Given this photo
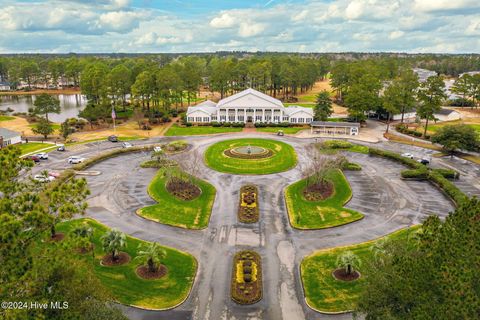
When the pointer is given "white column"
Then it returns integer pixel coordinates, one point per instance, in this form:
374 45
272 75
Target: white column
254 115
218 114
245 115
236 115
263 115
227 117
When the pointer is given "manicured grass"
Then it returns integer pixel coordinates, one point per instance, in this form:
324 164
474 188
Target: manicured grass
434 127
327 213
399 139
334 146
283 158
123 282
306 105
287 130
323 292
35 146
6 118
170 210
55 126
176 130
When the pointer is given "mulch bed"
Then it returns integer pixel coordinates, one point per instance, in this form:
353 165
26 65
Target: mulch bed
57 237
144 273
247 291
122 258
183 189
341 274
248 211
318 191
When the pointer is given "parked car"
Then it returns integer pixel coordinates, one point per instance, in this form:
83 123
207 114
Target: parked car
424 161
42 155
126 145
42 178
407 155
54 174
75 159
60 147
157 149
113 138
33 158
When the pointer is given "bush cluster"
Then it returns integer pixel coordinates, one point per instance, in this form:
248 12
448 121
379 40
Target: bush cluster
271 124
351 166
395 156
420 174
337 144
448 173
405 130
449 188
227 124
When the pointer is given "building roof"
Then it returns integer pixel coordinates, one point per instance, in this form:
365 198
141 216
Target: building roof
3 83
294 109
7 134
252 92
424 74
445 112
334 124
208 107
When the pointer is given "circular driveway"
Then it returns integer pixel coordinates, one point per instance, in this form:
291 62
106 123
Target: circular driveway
387 202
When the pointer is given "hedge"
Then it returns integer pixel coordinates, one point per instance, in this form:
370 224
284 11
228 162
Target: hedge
421 174
397 157
448 173
449 188
337 144
351 166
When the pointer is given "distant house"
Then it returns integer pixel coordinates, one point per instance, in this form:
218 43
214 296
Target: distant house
8 137
335 128
424 74
447 115
5 86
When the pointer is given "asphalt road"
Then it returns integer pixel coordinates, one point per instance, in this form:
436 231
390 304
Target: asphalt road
388 203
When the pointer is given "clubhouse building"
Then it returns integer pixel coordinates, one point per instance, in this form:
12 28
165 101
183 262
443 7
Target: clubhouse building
249 106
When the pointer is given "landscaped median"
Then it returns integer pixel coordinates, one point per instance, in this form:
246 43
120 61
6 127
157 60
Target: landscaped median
177 210
122 280
323 292
233 156
326 213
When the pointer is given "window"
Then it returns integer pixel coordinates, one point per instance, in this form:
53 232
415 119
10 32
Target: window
301 120
222 118
293 120
231 118
285 118
240 118
214 118
198 119
258 118
190 119
205 119
276 118
309 120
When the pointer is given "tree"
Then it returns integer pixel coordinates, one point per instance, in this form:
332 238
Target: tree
35 270
144 87
44 128
462 86
348 261
93 113
113 241
151 254
431 96
45 104
323 107
92 81
433 275
363 96
138 116
65 129
455 137
118 83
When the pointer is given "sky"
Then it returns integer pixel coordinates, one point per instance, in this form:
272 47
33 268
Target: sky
137 26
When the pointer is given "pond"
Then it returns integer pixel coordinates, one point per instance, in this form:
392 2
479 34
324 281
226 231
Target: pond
70 105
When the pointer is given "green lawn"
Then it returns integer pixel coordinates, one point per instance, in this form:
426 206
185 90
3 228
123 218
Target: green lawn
6 118
35 146
176 130
283 158
326 294
124 284
306 105
327 213
55 126
287 130
194 214
334 146
432 128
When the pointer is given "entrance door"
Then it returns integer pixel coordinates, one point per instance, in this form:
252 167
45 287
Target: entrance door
249 119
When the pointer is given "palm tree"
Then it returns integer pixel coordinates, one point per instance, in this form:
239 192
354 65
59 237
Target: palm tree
83 231
113 241
348 261
152 254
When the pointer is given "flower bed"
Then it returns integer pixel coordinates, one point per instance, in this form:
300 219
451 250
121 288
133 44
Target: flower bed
248 211
183 189
246 277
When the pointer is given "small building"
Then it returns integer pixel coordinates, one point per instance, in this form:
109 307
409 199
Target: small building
335 128
5 86
248 106
8 137
447 115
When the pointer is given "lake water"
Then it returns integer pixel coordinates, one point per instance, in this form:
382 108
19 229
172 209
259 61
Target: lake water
70 105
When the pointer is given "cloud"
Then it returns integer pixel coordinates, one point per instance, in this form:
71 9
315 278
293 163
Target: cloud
250 29
396 34
224 21
445 5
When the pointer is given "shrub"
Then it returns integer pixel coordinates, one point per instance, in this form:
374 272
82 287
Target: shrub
449 188
351 166
395 156
177 145
188 124
216 124
420 174
448 173
337 144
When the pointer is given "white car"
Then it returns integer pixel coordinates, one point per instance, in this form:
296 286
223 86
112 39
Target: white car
407 155
42 155
157 149
42 178
126 145
75 159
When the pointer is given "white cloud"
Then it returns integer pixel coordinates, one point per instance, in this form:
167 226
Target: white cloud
224 21
445 5
396 34
250 29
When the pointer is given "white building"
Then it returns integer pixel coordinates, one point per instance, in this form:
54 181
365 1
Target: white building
248 106
424 74
5 86
335 128
8 137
